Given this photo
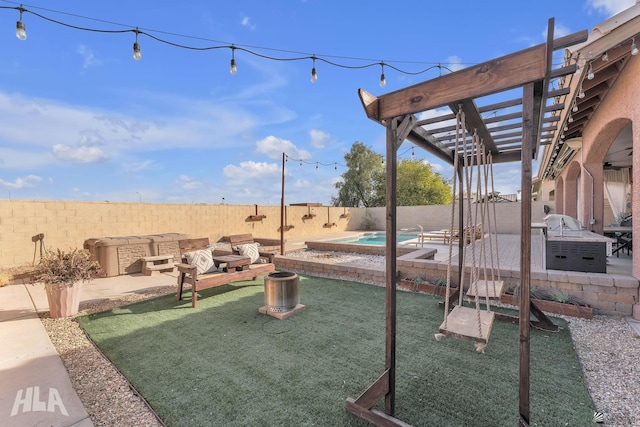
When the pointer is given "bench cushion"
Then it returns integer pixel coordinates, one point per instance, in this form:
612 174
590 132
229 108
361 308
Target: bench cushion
202 259
249 250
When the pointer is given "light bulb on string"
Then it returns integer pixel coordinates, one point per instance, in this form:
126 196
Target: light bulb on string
21 30
233 69
316 165
413 155
314 74
383 80
570 119
634 48
137 54
590 74
575 107
300 163
605 57
335 166
581 93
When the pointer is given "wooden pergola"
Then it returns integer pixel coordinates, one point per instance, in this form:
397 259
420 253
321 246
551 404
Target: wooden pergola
531 115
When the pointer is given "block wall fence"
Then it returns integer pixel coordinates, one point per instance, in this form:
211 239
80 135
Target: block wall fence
67 224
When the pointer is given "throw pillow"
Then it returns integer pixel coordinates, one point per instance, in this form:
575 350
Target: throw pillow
249 250
203 260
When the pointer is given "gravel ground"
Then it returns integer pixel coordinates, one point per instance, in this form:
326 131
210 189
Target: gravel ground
608 349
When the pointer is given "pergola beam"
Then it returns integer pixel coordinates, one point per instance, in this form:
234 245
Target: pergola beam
497 75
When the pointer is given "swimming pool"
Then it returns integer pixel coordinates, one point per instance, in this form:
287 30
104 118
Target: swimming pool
377 239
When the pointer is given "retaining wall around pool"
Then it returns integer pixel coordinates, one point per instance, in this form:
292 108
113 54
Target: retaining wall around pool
356 248
411 262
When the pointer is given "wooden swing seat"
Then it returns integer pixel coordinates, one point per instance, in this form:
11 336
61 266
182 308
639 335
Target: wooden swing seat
481 287
462 323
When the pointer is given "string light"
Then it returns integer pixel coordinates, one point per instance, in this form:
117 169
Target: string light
581 93
383 80
605 57
316 163
575 107
314 75
634 48
590 74
21 31
232 68
21 34
137 54
570 119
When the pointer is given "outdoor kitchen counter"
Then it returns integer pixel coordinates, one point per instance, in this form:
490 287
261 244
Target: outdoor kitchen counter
578 236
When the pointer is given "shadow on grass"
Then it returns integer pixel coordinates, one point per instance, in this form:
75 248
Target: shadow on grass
225 364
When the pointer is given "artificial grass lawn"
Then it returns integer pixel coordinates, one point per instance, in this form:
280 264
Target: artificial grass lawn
225 364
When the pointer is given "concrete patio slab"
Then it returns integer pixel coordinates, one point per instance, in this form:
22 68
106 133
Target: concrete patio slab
35 389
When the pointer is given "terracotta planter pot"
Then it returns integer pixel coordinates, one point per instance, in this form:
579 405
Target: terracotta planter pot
64 301
573 310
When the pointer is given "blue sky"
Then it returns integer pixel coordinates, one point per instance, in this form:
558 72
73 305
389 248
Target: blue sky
80 119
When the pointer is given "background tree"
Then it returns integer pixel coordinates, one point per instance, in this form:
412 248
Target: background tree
418 184
358 187
364 182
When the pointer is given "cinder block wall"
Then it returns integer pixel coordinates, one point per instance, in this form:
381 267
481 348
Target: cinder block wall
67 224
437 217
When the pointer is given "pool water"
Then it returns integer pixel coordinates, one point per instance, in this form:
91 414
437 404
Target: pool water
377 239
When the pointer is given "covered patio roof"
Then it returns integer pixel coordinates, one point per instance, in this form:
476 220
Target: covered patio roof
600 61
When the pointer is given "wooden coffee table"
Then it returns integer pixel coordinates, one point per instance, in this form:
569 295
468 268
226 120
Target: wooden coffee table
232 262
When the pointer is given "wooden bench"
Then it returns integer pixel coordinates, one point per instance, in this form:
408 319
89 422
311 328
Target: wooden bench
188 274
266 252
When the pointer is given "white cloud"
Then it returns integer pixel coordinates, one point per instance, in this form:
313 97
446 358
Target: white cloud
273 148
318 138
250 170
133 167
90 137
302 183
188 183
454 63
90 59
22 182
79 154
187 123
609 7
246 22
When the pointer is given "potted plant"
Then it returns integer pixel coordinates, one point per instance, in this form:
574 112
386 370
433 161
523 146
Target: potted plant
63 274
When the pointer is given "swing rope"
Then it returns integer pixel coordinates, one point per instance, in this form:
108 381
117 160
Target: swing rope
470 226
459 120
482 207
495 218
